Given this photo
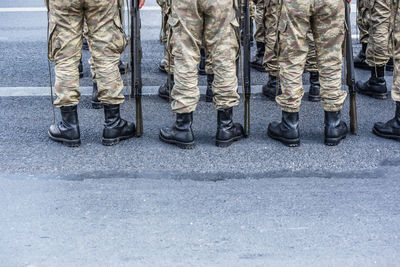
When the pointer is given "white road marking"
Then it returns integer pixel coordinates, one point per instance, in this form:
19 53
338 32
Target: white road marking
43 9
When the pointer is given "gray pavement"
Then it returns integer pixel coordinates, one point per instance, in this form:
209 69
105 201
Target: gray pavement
145 203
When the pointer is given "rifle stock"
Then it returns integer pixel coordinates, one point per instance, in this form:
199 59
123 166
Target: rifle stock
350 74
136 61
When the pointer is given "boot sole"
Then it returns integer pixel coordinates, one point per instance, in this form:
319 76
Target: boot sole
334 141
66 142
312 98
286 142
381 96
114 141
226 143
182 145
96 105
393 137
165 97
270 97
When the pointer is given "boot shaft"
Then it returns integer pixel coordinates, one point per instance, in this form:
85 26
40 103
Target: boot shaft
184 121
111 115
69 115
224 118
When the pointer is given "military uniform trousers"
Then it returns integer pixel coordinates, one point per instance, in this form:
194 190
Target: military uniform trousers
193 21
259 35
327 23
107 41
363 20
396 53
272 9
379 32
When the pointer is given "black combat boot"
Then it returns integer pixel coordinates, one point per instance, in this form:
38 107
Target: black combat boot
115 128
162 65
67 130
335 129
313 93
390 65
227 131
257 61
80 68
359 60
286 131
375 86
122 67
165 89
181 133
202 64
96 104
273 85
390 129
209 93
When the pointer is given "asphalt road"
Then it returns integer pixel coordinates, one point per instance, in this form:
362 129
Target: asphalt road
145 203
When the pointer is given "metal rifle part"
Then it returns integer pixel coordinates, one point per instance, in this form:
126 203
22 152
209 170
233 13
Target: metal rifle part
246 65
136 62
350 74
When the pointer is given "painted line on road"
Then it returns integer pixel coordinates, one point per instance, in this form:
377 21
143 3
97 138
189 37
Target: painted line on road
43 9
87 90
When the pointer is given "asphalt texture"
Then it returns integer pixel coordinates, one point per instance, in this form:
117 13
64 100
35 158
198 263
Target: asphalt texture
146 203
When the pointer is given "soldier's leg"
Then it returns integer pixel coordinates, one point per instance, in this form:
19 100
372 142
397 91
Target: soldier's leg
377 50
312 68
259 36
293 27
187 28
363 26
107 41
165 10
391 129
328 27
65 51
223 45
164 91
270 60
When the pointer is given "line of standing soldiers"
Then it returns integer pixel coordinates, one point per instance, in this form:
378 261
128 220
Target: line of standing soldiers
291 35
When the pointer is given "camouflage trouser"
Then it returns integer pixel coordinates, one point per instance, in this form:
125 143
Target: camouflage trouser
165 12
396 53
107 41
326 20
272 9
379 32
363 20
193 21
259 35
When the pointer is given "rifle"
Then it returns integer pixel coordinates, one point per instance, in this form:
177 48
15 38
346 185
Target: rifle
350 75
136 63
246 86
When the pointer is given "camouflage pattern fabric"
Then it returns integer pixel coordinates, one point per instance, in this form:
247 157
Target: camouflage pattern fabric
259 35
193 21
396 53
326 20
379 31
165 13
363 20
107 41
272 9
